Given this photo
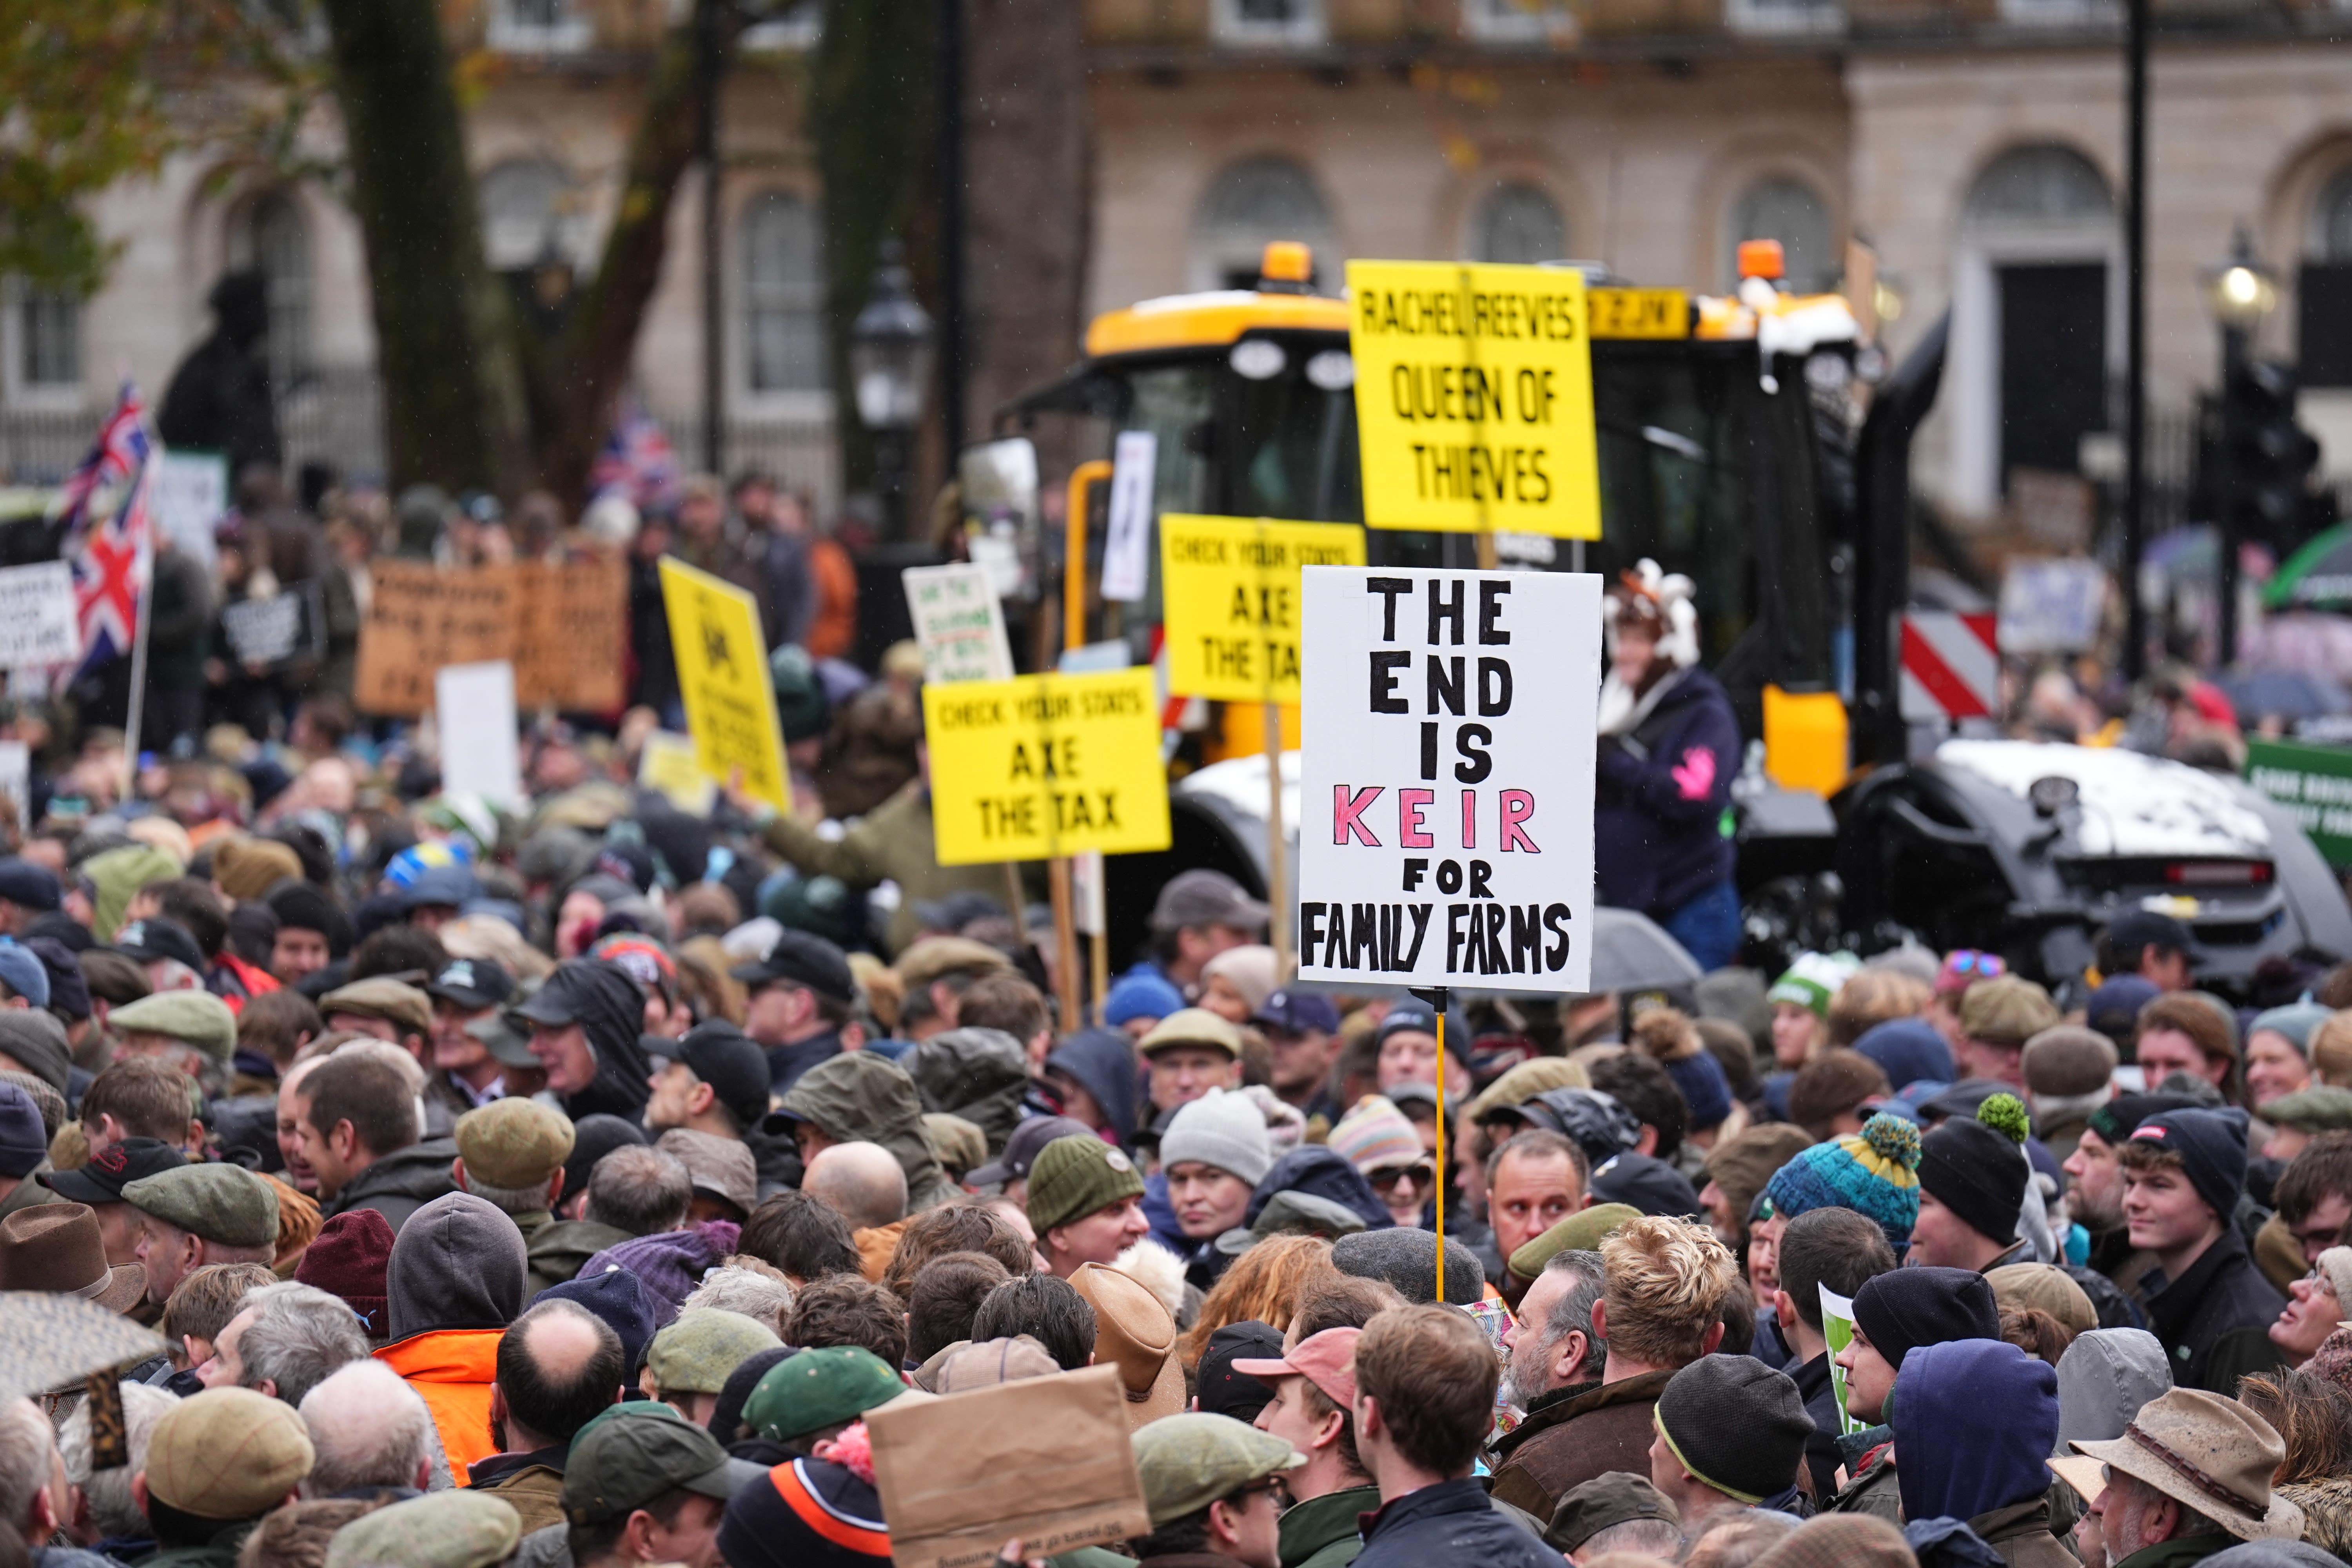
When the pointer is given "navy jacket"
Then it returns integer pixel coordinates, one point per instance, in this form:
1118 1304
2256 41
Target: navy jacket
2221 1292
1657 823
1451 1522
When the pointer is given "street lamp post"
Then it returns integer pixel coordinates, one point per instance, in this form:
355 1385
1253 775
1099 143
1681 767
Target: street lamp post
2241 293
890 362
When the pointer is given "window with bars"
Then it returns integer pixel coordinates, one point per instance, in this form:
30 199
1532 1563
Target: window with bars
48 340
783 295
269 236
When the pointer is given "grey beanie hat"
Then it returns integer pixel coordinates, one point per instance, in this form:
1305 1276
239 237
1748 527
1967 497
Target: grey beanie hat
1227 1130
1407 1258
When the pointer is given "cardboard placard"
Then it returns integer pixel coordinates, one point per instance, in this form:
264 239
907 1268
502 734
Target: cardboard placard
563 626
474 704
1045 766
1229 586
38 625
1474 397
959 622
1446 788
723 678
941 1468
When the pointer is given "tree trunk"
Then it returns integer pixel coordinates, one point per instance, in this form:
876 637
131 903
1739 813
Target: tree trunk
454 408
1026 157
869 110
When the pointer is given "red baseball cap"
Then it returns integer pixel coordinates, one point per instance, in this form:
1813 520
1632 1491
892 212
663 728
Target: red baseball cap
1327 1360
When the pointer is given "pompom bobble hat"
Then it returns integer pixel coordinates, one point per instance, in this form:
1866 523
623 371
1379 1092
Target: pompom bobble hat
1874 1173
1814 979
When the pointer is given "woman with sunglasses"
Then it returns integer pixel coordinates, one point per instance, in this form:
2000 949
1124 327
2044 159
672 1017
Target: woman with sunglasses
1381 1143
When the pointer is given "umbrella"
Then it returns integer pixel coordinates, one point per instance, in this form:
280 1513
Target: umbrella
2316 577
1630 952
2286 694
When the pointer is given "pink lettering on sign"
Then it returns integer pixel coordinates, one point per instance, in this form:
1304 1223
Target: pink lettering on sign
1518 804
1411 803
1348 814
1469 819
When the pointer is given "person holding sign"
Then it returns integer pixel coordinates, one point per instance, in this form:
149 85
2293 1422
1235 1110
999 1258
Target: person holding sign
1670 747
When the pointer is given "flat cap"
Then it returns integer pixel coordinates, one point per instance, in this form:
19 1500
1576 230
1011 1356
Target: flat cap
227 1454
381 996
819 1388
1188 1461
197 1018
2006 1012
1193 1026
459 1529
935 956
513 1143
1611 1499
695 1354
221 1203
722 1167
1583 1231
23 882
2322 1108
2068 1060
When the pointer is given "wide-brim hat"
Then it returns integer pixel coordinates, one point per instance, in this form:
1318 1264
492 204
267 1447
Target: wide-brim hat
57 1248
1134 1333
2208 1454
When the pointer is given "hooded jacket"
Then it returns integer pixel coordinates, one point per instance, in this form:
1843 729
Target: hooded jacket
454 1283
981 1074
1103 1063
2104 1378
858 1097
1657 820
1326 1174
1974 1422
611 1010
399 1184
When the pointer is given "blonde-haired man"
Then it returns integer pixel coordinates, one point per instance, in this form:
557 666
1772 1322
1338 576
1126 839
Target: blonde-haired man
1663 1285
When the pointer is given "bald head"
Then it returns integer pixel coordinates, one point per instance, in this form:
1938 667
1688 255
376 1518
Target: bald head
559 1364
369 1430
862 1182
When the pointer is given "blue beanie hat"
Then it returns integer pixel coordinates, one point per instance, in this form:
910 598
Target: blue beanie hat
1907 1050
1874 1173
1141 995
1705 1088
619 1298
2213 1149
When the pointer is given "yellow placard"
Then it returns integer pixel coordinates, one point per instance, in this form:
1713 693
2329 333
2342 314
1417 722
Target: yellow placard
667 765
1044 765
722 674
1230 585
1640 314
1474 397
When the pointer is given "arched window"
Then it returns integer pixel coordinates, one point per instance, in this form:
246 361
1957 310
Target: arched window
529 206
783 295
1792 213
1249 205
1517 222
2324 288
2330 238
269 236
2039 187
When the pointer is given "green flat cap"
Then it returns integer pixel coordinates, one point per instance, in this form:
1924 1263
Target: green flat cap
616 1466
198 1017
462 1529
1074 1176
819 1388
2322 1108
627 1410
1190 1460
695 1354
222 1202
1580 1232
513 1143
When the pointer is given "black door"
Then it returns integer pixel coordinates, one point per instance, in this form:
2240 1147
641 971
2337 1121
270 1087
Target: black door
2054 364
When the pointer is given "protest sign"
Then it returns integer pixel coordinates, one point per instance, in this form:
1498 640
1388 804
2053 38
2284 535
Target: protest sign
1837 1328
1045 766
722 675
959 622
1229 586
2315 784
665 764
562 625
1446 786
1474 397
940 1467
38 622
474 705
16 781
2051 607
278 630
1127 538
187 493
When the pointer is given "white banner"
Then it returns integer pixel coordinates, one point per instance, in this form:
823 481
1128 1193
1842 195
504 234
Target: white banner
1445 833
37 624
475 706
1127 538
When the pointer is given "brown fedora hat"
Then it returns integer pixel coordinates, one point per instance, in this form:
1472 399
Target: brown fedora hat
56 1248
2209 1454
1134 1333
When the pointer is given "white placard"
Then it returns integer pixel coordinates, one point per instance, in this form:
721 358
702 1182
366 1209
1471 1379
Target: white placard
1127 541
475 706
958 622
17 780
189 493
37 624
1446 832
2051 607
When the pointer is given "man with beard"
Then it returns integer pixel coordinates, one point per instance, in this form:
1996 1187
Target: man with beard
2095 1195
1555 1354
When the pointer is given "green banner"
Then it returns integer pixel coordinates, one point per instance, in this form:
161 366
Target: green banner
2314 782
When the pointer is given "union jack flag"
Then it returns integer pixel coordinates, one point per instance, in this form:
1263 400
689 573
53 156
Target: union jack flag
112 555
636 459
